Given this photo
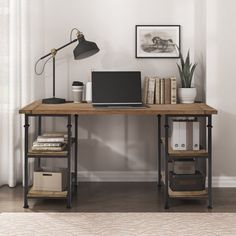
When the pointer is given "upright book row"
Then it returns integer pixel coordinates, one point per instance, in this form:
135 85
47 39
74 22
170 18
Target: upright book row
160 91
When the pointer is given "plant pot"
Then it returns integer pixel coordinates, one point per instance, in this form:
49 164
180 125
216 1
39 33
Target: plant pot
187 95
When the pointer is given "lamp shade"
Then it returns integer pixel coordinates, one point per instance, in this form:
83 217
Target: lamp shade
85 49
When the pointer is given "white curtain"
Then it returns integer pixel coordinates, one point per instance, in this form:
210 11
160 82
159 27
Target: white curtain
16 86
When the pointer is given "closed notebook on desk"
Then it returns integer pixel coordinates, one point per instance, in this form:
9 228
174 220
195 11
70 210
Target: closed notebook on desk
116 88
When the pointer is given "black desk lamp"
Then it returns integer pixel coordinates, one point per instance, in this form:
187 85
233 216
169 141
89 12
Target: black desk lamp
83 49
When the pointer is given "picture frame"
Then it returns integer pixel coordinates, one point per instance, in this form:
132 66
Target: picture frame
157 41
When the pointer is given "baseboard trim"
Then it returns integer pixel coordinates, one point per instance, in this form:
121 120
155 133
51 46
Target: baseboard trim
143 176
224 181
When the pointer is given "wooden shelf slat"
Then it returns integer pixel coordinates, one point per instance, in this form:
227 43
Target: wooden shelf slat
46 194
187 153
184 153
47 153
187 194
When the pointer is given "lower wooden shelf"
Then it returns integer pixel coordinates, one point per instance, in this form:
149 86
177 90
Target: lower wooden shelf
187 194
184 194
46 194
47 154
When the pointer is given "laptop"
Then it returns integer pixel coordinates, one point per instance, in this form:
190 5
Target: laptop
116 89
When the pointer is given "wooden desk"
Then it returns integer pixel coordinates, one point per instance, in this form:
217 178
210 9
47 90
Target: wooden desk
37 109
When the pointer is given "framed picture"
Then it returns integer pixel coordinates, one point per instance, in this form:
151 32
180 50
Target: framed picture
157 41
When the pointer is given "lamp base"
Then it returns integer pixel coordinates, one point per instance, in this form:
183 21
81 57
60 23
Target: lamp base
53 100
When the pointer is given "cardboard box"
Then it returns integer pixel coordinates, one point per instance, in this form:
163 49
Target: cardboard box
53 180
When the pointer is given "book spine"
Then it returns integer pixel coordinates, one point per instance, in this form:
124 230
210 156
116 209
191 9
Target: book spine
55 134
151 90
145 90
36 144
196 135
157 92
50 140
167 95
162 91
173 90
48 148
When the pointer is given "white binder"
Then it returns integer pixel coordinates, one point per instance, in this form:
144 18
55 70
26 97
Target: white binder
182 135
175 144
196 135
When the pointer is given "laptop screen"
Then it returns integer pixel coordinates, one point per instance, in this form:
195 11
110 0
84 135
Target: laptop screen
116 87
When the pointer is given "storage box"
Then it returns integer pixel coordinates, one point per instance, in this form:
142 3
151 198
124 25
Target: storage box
54 180
184 167
195 182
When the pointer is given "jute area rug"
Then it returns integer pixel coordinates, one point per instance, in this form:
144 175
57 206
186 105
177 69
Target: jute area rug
122 224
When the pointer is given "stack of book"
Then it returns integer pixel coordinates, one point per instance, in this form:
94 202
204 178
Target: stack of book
160 91
50 142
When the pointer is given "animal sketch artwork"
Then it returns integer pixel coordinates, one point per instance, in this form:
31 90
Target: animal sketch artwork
162 44
158 44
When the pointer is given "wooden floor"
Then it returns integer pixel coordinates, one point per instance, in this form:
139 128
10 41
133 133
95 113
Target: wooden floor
117 197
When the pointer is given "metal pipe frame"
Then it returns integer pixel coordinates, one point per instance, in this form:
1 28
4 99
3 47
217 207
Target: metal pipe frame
209 129
159 149
39 133
69 192
26 187
209 157
26 157
166 194
76 150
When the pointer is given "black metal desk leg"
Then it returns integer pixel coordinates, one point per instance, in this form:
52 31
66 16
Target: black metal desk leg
76 149
166 164
209 128
159 150
39 133
26 161
69 193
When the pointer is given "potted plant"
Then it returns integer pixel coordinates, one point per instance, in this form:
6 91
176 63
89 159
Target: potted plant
187 93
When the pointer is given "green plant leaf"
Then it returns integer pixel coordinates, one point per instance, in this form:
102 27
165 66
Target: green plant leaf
186 70
183 82
187 62
181 58
191 73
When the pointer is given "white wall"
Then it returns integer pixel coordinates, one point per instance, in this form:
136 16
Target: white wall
221 83
116 143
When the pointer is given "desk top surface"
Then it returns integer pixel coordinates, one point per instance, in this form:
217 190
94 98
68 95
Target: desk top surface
37 108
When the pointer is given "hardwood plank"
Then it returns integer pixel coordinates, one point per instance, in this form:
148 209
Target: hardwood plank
117 197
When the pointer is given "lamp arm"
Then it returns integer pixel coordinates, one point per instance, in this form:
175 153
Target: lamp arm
58 49
51 54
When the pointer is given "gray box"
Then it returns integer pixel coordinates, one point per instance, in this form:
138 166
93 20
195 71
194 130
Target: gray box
184 167
50 180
